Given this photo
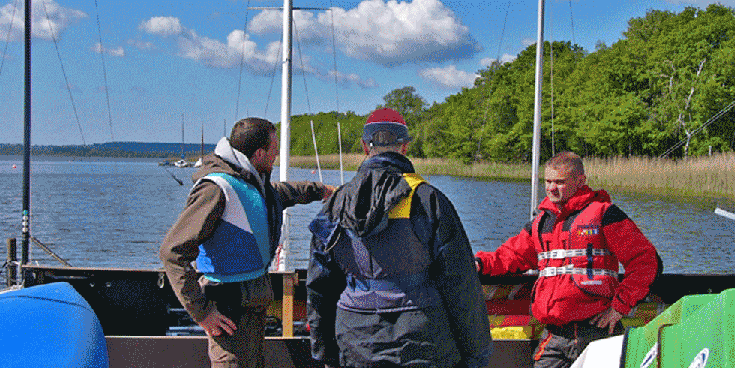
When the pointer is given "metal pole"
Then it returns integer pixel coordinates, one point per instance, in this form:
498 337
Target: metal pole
285 151
316 152
12 261
26 221
537 111
341 168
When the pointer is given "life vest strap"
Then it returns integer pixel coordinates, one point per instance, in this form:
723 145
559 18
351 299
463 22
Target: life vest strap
568 253
555 271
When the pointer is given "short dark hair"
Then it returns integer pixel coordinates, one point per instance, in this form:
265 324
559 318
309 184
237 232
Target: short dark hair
568 160
250 134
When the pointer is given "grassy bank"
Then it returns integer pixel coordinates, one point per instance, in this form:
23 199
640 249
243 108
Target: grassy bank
709 178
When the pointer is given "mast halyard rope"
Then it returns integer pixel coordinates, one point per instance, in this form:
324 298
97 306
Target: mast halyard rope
308 103
273 77
571 16
711 120
104 71
63 72
502 33
551 81
336 97
242 62
7 39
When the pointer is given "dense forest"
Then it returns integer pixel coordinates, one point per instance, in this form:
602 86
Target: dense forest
668 83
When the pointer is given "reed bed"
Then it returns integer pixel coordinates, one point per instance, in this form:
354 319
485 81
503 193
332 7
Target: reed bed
428 166
710 177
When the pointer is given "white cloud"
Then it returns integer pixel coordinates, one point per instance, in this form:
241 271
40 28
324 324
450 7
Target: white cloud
58 20
162 26
352 79
384 32
238 48
307 27
506 58
117 51
449 77
141 45
528 41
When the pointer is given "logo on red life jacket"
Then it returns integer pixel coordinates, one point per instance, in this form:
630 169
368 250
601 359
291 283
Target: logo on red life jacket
586 230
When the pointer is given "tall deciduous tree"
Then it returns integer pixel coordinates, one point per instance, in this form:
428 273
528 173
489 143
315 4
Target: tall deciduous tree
411 106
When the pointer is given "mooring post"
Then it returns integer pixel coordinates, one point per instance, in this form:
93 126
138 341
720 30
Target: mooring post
12 262
290 280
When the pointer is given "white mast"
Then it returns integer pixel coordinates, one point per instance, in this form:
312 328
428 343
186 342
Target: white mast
537 108
285 153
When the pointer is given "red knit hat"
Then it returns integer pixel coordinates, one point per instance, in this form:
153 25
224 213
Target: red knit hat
389 120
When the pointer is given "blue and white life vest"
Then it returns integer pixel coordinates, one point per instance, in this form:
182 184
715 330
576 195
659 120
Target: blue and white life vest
238 250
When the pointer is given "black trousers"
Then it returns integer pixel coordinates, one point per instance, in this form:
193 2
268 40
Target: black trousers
560 346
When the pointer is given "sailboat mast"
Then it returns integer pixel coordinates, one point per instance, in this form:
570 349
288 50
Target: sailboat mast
285 151
537 109
26 232
182 136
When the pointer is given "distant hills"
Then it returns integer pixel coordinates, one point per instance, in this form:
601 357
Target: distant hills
113 149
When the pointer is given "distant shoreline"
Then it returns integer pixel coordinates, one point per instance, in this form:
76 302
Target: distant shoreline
710 179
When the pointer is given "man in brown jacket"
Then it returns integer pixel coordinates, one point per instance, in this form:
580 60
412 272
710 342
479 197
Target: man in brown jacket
231 227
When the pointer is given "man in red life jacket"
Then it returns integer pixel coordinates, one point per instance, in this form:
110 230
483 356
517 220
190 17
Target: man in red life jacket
576 242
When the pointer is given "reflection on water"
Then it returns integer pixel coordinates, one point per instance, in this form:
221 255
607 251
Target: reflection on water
115 214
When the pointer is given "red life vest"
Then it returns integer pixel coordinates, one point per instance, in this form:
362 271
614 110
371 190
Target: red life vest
577 272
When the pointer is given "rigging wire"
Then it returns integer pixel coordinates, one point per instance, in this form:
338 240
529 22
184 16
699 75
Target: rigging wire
7 39
571 16
551 82
502 34
308 103
63 72
104 71
336 96
303 70
273 77
711 120
499 63
334 58
242 62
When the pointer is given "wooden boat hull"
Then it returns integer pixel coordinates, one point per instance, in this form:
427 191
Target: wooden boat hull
142 319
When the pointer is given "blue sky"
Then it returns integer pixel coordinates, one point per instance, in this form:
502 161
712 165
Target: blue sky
166 61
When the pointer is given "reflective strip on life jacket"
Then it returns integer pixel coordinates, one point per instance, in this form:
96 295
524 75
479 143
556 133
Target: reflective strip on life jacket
554 271
568 253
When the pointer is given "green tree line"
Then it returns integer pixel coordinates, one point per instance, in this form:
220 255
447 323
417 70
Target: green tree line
667 83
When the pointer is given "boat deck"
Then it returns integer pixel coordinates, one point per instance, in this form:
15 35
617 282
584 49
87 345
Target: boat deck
144 322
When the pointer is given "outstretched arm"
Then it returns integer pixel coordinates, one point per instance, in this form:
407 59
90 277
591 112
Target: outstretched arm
302 192
517 254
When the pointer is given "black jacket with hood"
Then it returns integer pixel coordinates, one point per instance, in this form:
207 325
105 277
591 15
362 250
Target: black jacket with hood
354 239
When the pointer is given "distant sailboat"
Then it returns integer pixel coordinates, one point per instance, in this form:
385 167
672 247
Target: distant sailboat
201 151
182 162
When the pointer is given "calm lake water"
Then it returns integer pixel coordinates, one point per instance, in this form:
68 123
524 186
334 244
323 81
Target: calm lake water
115 212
